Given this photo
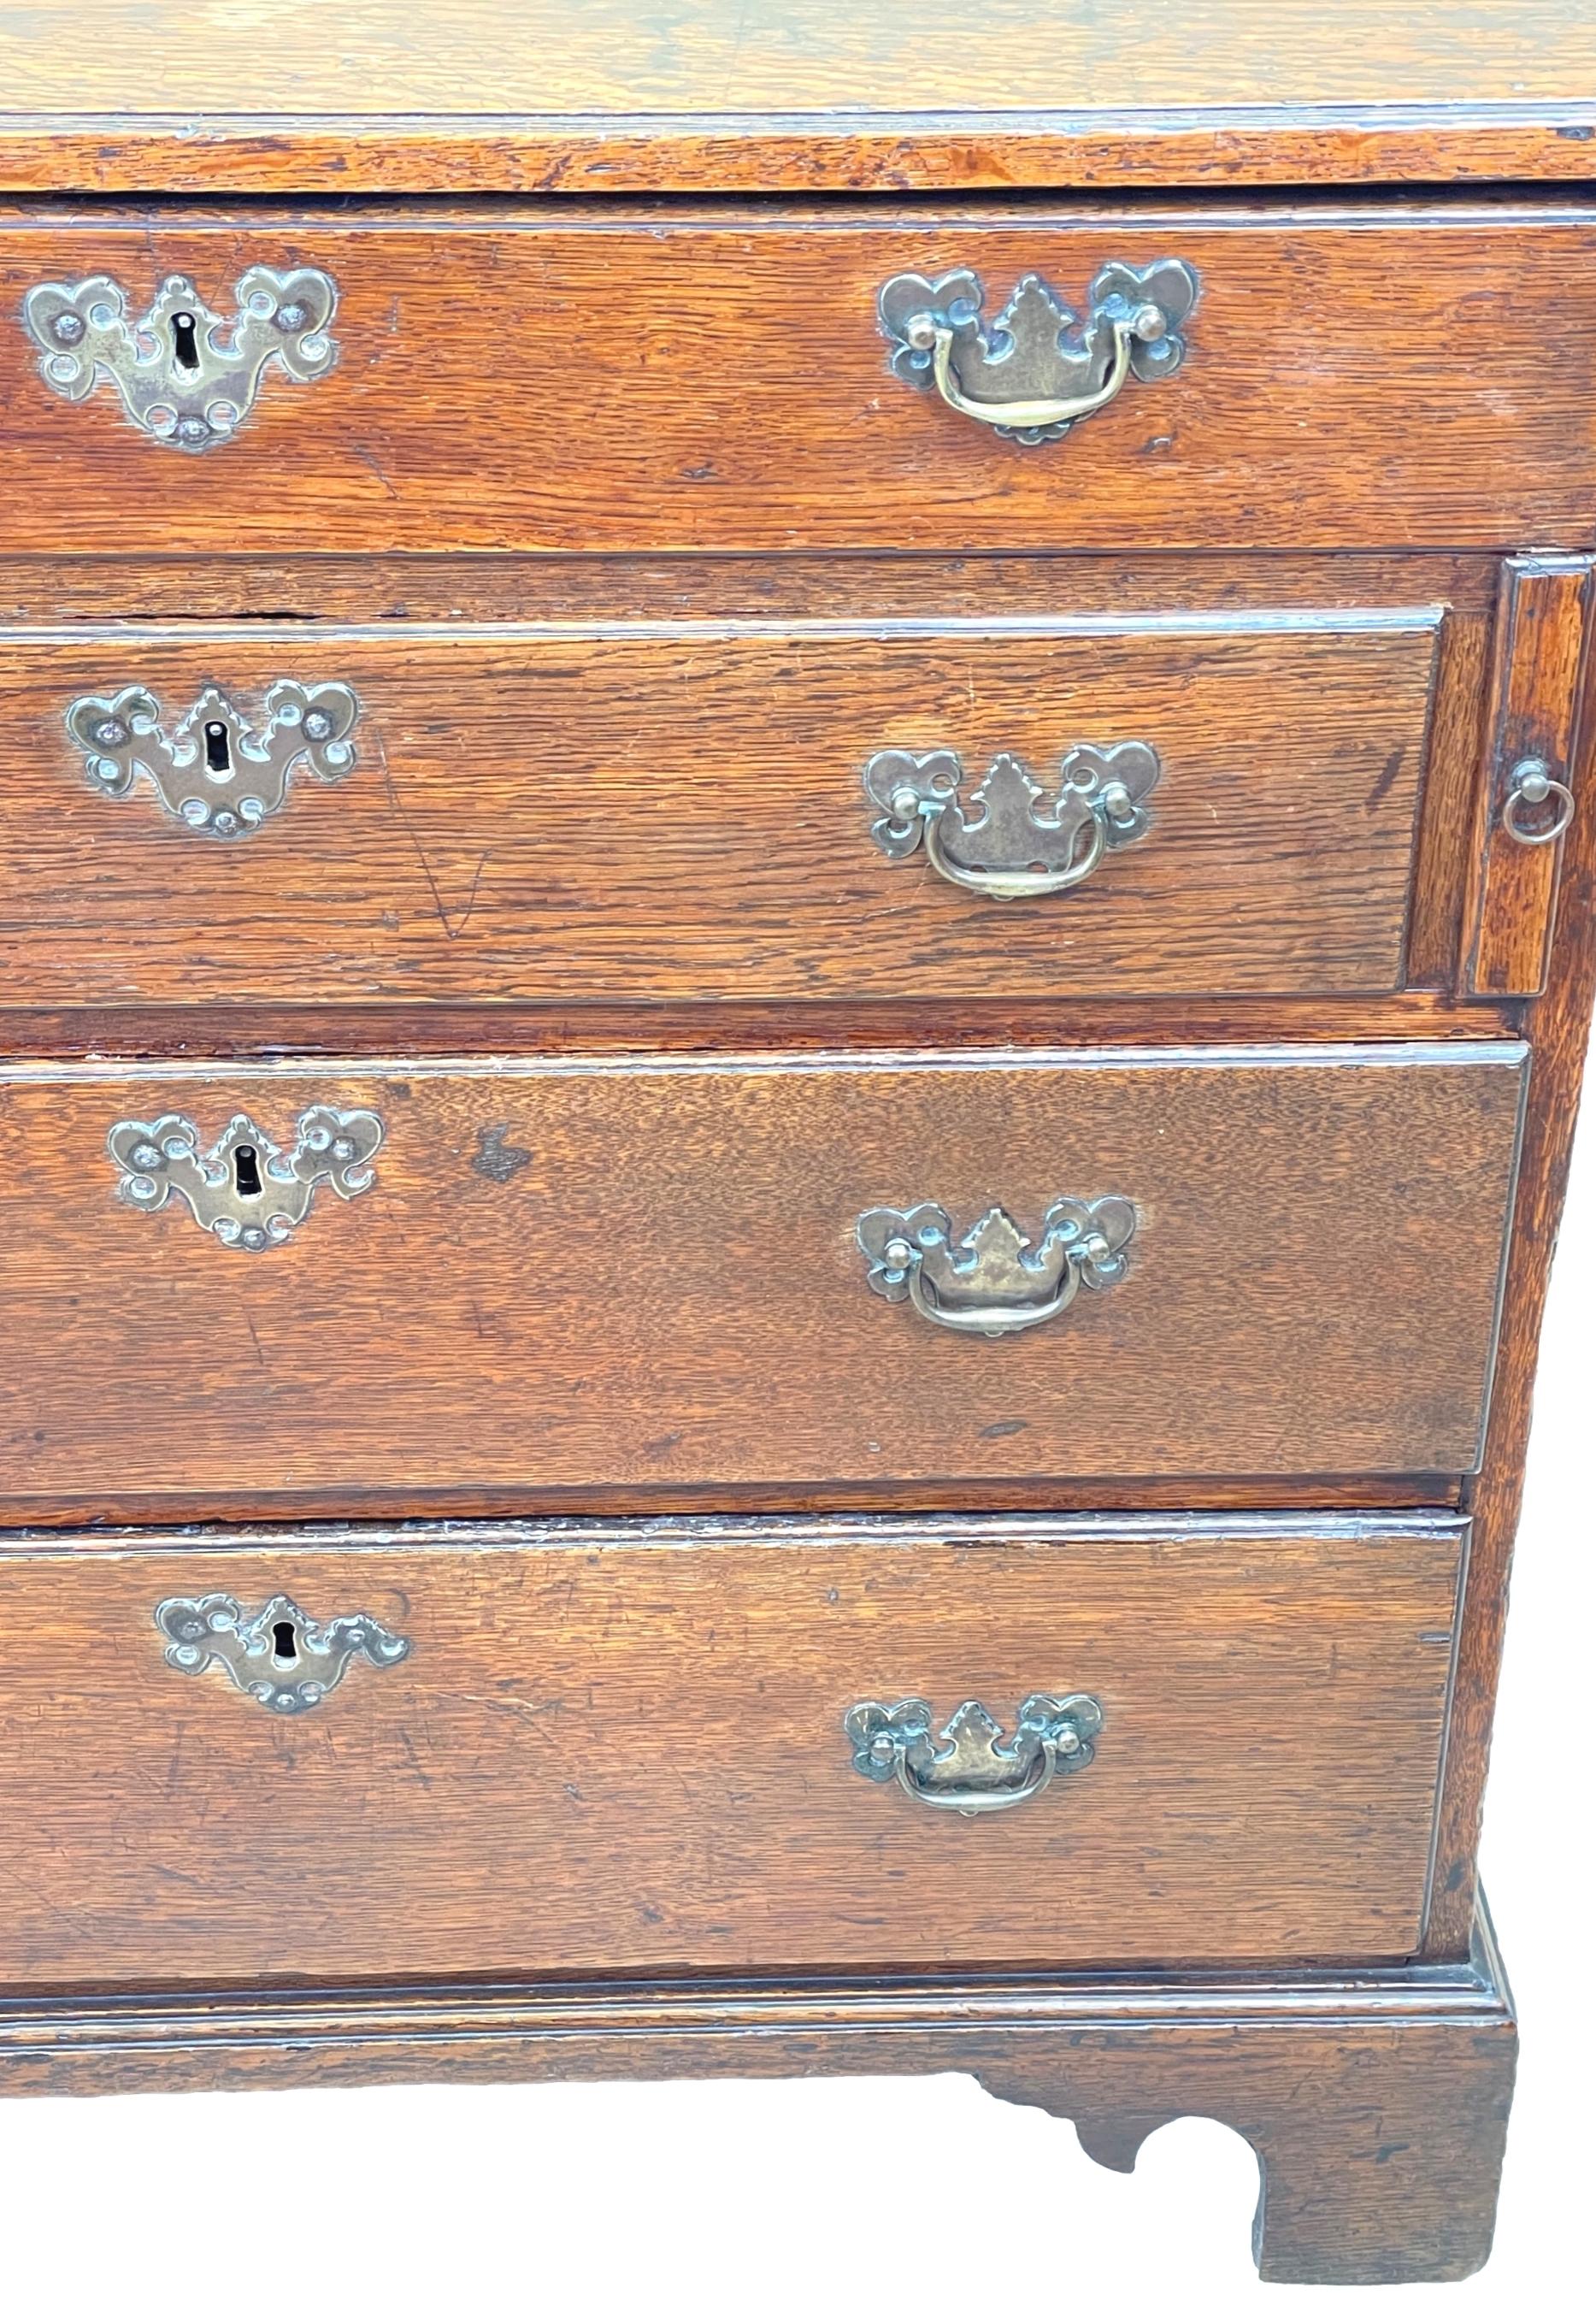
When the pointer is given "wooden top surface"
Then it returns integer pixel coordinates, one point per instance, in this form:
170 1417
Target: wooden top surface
630 95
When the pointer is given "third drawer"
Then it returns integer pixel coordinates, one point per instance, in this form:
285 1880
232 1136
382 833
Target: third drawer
410 1285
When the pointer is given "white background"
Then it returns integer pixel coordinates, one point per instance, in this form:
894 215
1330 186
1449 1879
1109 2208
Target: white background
847 2198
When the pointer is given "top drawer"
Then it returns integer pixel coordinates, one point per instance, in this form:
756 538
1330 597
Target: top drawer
536 377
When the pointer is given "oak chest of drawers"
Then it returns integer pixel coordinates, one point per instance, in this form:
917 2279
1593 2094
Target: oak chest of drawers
796 904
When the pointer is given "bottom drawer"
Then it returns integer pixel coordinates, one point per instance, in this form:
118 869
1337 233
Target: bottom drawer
583 1747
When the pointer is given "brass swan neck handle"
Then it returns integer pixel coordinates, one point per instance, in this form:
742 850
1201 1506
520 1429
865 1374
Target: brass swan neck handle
991 1281
929 332
1017 838
1029 375
969 1767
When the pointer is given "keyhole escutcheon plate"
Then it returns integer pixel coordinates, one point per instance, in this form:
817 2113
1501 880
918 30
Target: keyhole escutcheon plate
186 374
216 769
245 1190
276 1655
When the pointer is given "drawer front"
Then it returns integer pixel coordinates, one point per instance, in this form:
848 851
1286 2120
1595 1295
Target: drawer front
706 809
559 1275
611 1751
525 380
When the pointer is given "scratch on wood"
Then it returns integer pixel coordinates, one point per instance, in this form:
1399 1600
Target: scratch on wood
369 459
450 931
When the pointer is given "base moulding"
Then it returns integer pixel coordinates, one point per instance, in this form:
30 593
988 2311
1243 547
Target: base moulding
1377 2101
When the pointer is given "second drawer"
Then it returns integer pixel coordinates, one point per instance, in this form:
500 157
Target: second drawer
413 1285
1219 801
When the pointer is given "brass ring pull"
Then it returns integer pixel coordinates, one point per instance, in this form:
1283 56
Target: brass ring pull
992 1281
1027 376
1531 784
972 1769
1018 841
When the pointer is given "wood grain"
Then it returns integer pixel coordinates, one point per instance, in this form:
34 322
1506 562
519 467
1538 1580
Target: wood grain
226 1034
888 154
607 57
92 1515
709 93
621 1752
665 382
646 1274
161 587
1377 2102
553 813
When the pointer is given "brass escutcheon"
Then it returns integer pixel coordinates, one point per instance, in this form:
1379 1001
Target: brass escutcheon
185 375
277 1654
216 770
245 1190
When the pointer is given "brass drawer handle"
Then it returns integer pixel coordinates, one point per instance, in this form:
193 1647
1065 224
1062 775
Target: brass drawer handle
992 1283
1021 841
1531 784
185 375
276 1655
244 1190
213 770
1022 377
972 1770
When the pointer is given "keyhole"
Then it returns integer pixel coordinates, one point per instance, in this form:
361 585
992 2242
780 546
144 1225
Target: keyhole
247 1174
285 1643
219 755
184 344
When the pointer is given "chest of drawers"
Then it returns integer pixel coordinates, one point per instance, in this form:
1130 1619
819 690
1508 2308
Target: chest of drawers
795 908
